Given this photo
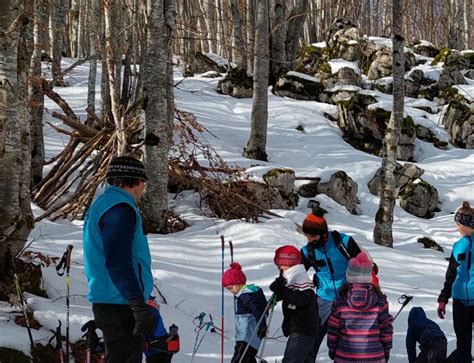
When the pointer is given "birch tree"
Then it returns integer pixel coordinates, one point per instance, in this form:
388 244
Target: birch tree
35 92
256 144
15 214
384 218
158 126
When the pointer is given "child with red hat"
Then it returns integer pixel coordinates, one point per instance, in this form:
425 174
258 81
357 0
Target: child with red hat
300 310
250 304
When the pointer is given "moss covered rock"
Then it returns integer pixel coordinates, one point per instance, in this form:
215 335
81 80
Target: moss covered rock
459 122
364 127
299 86
420 199
237 83
342 189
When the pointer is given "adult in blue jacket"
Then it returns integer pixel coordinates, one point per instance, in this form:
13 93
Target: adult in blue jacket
118 263
427 333
459 284
329 259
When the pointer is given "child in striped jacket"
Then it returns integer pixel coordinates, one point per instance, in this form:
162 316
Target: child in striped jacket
360 326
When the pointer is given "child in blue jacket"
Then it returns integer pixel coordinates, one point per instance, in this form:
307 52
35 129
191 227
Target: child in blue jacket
459 284
250 304
428 334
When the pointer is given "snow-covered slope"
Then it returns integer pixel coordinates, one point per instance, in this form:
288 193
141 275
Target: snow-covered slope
187 265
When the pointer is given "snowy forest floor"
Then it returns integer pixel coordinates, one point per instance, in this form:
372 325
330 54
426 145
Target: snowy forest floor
187 265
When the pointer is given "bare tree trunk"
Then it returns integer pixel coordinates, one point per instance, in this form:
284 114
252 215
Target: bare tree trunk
57 35
384 218
160 24
94 40
256 144
35 92
250 34
212 21
74 26
109 7
238 49
15 213
296 21
278 37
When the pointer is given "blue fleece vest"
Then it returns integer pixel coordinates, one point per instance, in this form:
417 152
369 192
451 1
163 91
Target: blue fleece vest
101 287
463 286
328 285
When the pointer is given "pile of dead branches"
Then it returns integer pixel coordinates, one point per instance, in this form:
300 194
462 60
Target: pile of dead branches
69 188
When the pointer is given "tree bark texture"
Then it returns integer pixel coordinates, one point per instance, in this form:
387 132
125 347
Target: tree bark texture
256 144
158 128
238 48
383 234
15 218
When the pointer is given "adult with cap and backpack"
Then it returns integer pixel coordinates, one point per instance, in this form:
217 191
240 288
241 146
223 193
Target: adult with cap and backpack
118 263
328 253
459 284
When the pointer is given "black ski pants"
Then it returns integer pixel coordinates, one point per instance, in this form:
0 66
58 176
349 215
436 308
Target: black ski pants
117 323
434 351
239 351
299 349
463 317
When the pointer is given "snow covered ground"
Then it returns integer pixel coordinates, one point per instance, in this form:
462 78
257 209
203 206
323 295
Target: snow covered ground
187 265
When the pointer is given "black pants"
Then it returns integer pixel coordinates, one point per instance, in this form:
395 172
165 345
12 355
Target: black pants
239 351
160 352
463 317
299 349
117 323
434 351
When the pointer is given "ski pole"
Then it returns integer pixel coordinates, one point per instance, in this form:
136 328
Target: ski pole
65 265
23 308
404 300
59 344
268 327
208 325
231 247
269 305
222 301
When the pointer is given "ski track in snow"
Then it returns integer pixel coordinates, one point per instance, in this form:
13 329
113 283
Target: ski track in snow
187 265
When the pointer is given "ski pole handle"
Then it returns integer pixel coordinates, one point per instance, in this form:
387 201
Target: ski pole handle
231 247
68 256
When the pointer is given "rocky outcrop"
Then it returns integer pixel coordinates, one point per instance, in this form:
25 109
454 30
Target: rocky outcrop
342 189
420 199
204 63
404 174
237 83
343 40
425 48
459 122
364 127
299 86
283 180
454 64
309 190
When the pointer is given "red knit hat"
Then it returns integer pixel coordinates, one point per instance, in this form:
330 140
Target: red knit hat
234 275
315 225
287 256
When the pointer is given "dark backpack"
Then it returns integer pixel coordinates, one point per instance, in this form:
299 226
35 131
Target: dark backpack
336 236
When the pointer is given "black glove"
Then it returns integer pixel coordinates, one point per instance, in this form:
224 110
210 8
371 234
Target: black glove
387 355
262 331
277 285
144 320
332 354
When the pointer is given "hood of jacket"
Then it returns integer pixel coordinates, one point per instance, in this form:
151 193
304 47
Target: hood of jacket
361 296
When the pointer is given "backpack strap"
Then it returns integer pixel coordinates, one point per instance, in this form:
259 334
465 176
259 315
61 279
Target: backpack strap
312 259
336 236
